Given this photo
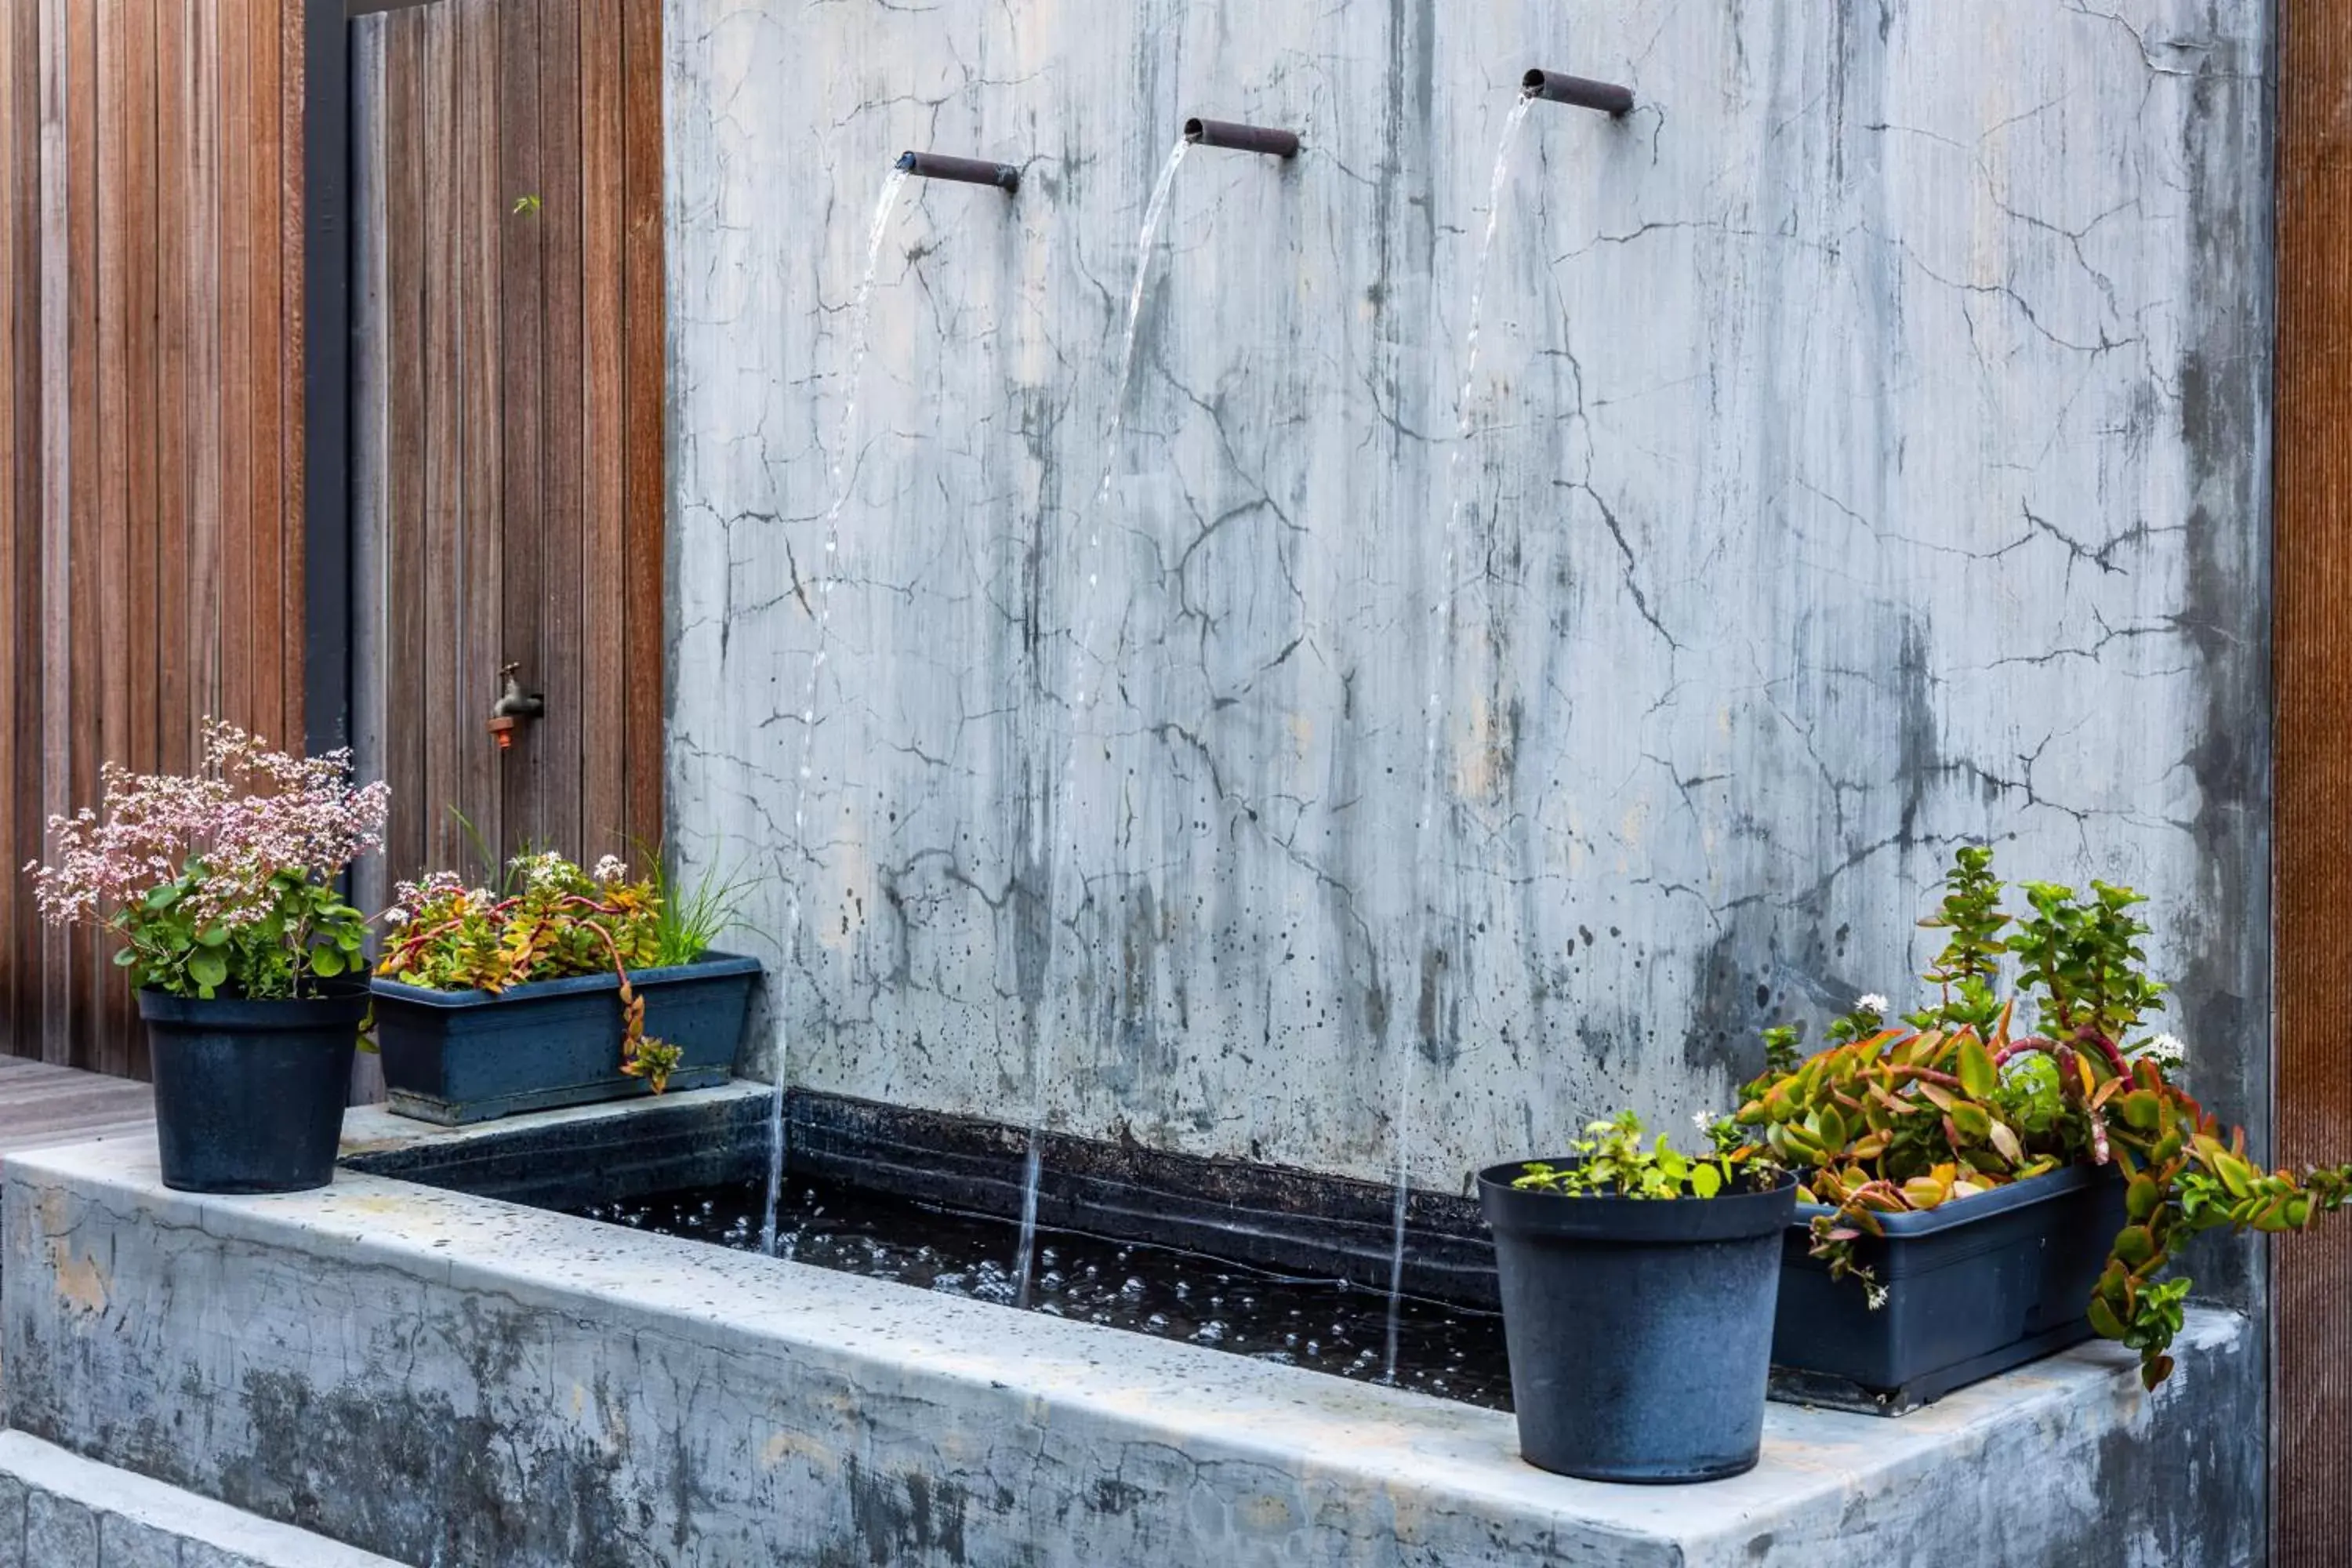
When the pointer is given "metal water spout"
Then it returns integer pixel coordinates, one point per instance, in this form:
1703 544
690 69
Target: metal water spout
1241 138
967 170
1558 86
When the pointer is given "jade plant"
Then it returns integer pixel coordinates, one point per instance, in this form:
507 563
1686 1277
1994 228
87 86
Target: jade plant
550 921
1957 1099
1611 1162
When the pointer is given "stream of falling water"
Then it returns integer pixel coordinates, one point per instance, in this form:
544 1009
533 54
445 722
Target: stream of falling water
860 319
1442 610
1083 696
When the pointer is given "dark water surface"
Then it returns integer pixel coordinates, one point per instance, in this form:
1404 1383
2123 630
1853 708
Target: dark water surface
1326 1325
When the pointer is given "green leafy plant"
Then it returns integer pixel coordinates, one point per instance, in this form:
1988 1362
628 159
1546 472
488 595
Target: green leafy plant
2083 960
1892 1121
1612 1161
1968 968
222 882
551 921
1784 1048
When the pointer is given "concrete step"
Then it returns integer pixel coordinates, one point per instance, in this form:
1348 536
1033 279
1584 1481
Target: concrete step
61 1510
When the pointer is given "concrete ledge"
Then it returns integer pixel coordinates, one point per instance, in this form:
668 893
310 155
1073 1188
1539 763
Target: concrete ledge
58 1510
560 1159
447 1378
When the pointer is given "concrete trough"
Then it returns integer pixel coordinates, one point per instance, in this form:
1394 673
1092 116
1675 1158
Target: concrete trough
446 1378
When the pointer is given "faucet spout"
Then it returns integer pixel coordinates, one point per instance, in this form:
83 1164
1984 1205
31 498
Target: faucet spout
1241 138
1558 86
968 171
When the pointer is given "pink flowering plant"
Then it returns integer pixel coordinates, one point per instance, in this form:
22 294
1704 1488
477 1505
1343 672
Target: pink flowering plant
222 883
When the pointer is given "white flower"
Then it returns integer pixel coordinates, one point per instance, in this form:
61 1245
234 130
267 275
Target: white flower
1703 1121
1873 1294
396 917
612 868
546 866
2166 1051
1872 1003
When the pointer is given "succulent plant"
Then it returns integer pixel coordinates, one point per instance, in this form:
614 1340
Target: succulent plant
1902 1119
552 920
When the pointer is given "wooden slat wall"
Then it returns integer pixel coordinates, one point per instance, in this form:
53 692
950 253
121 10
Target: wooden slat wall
510 449
151 542
2312 1275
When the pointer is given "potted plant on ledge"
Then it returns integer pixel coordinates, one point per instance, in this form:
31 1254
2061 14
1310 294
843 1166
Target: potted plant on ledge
1637 1287
221 888
1981 1195
563 987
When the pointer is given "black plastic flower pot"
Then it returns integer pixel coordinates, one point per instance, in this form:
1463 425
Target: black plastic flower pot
1640 1330
249 1095
1973 1287
458 1057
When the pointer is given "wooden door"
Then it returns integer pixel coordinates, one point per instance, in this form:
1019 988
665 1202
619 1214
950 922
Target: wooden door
508 420
2311 1461
152 497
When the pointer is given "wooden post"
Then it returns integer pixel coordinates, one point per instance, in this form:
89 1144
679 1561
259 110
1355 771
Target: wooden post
2311 1399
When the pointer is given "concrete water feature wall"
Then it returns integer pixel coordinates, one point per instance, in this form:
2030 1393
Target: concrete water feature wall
1867 452
451 1380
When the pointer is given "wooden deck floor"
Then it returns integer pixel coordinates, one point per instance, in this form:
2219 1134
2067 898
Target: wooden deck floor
42 1105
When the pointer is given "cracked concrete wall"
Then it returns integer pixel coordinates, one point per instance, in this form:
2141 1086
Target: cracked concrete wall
1866 452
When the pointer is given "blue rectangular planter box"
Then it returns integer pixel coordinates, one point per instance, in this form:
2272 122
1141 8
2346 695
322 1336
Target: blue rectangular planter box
454 1057
1974 1288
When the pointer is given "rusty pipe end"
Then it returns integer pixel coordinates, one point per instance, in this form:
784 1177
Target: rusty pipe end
1241 138
1558 86
966 171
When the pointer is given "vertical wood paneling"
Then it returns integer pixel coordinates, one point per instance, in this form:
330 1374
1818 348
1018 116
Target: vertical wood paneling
401 352
285 290
110 436
256 155
20 715
150 519
231 248
49 379
142 392
2312 1366
437 130
521 290
602 607
108 450
519 421
557 741
177 685
203 305
149 566
646 400
84 554
478 217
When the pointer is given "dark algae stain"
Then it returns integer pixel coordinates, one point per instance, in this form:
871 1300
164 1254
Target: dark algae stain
401 1471
903 1520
